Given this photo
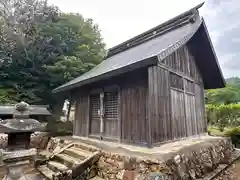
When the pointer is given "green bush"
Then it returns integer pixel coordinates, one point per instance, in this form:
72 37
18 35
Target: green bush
59 128
234 133
223 116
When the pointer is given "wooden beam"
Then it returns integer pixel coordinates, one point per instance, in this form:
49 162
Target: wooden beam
88 115
149 109
177 73
185 110
101 113
119 115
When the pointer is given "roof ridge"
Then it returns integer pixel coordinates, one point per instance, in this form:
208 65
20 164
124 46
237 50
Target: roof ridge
180 20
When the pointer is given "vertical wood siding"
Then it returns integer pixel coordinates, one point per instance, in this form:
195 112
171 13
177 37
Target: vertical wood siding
125 116
159 105
200 111
179 125
81 116
176 101
94 119
190 104
182 61
153 105
133 112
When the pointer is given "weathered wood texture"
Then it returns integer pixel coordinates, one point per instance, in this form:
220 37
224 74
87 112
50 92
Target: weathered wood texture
176 101
179 121
133 114
146 106
81 115
125 115
94 122
182 61
159 105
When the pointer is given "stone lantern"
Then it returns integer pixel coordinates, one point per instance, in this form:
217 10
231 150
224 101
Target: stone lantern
18 152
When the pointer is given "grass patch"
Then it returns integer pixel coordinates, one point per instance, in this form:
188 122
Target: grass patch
214 131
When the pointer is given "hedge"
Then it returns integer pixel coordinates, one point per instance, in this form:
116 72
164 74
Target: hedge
223 116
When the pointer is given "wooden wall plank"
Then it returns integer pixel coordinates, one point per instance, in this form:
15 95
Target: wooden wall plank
159 110
133 125
81 115
191 114
133 101
151 109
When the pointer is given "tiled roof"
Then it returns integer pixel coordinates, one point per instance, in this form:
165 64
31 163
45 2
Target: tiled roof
139 51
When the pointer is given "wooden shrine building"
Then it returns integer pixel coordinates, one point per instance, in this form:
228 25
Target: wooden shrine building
149 89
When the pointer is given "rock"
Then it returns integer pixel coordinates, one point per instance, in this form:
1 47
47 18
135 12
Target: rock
153 168
196 164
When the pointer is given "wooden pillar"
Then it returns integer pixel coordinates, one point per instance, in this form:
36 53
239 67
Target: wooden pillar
101 113
150 98
88 115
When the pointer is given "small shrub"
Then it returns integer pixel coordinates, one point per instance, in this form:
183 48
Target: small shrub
234 134
59 128
223 115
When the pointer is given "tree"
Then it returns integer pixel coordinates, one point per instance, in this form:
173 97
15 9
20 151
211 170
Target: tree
42 48
227 95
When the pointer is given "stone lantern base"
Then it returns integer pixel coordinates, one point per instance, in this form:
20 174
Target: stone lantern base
15 170
15 162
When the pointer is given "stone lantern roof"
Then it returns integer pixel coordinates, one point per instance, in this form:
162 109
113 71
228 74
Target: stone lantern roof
20 121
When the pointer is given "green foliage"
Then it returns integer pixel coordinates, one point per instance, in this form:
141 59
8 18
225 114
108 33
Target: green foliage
6 96
223 116
41 49
233 81
229 94
59 128
234 133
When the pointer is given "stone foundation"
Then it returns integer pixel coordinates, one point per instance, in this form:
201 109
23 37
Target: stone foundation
193 165
192 162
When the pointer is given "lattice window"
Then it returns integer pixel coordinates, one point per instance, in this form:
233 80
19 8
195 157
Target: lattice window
94 106
111 105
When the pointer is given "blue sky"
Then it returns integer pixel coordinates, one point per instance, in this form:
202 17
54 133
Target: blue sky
120 20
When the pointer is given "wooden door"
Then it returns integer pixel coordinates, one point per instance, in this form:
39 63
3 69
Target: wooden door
111 115
94 115
179 126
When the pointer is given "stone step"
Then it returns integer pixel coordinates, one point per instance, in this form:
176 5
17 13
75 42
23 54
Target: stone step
96 178
88 162
85 147
88 153
46 172
67 160
56 166
77 153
